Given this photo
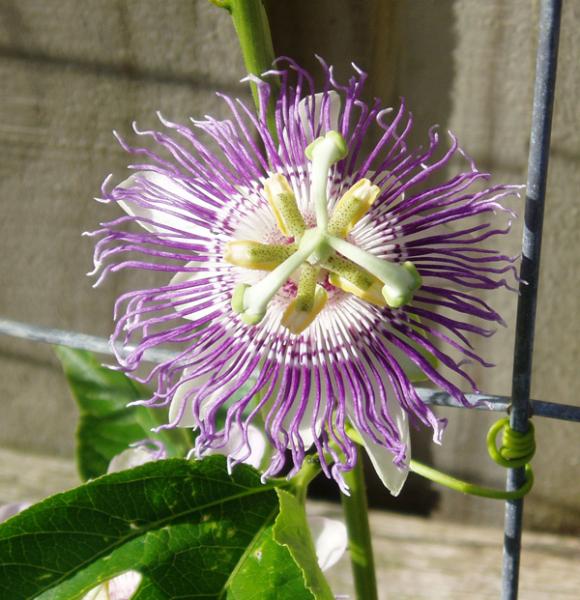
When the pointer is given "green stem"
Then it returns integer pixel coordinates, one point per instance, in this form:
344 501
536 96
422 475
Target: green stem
251 24
359 535
310 470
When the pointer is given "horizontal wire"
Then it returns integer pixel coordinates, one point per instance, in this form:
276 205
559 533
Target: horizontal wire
100 345
74 339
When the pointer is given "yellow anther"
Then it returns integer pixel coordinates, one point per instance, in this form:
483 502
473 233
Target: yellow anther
253 255
352 207
351 278
309 301
297 320
283 204
400 281
372 294
307 286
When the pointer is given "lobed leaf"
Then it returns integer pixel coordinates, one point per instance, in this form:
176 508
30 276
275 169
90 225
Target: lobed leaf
291 530
189 528
106 425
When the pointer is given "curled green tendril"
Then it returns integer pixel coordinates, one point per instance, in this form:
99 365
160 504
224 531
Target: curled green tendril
516 451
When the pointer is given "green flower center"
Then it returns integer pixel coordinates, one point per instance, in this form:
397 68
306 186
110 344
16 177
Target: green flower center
319 252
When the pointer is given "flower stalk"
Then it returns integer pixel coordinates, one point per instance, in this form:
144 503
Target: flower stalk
359 535
308 472
253 31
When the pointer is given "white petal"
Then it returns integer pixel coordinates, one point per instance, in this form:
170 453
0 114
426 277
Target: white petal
98 593
9 510
330 540
132 457
121 587
183 277
305 426
187 419
176 408
124 586
235 447
305 430
161 215
393 477
305 107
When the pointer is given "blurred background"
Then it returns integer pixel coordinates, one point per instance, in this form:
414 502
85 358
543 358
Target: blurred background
72 72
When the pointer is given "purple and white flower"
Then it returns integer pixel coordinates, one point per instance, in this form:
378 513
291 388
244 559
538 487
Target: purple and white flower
309 280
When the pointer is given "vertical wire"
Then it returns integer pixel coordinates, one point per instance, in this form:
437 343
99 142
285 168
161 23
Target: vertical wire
546 62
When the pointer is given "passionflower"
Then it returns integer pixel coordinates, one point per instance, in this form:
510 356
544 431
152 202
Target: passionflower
315 272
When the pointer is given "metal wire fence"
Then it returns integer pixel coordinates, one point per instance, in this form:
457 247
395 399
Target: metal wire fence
544 88
520 406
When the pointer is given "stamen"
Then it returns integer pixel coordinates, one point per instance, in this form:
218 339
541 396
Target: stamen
353 279
283 204
323 152
253 255
400 281
310 300
357 272
352 206
251 302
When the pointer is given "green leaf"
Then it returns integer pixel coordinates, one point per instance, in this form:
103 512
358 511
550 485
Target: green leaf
189 528
107 426
291 530
268 572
